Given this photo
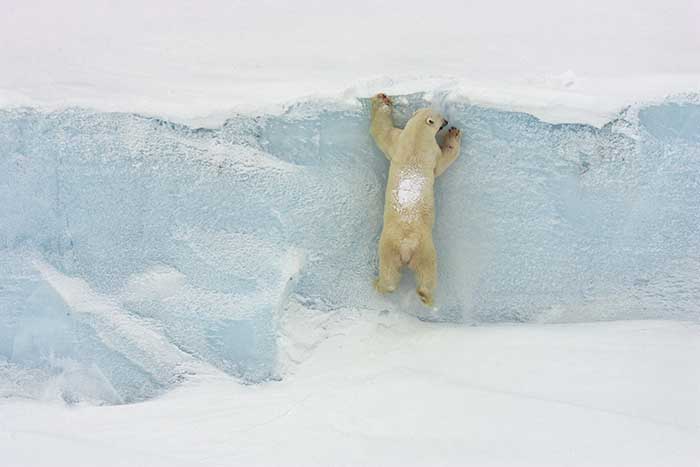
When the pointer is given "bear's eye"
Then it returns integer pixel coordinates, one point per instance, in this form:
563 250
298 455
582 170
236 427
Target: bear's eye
430 121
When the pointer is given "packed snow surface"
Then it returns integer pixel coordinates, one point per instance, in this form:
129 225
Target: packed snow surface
564 62
386 389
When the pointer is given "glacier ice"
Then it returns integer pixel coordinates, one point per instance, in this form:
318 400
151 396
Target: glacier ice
136 251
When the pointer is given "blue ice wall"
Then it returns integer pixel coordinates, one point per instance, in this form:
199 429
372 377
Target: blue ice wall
135 251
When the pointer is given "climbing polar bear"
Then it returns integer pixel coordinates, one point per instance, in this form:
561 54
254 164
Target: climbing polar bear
409 208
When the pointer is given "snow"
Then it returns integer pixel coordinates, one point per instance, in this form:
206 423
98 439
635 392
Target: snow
410 190
386 389
201 62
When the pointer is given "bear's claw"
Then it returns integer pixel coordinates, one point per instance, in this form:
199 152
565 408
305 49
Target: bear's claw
384 98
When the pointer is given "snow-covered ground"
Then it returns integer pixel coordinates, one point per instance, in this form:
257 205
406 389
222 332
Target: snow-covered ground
579 61
390 390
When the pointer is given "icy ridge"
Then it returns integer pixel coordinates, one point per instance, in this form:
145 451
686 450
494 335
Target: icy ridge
115 226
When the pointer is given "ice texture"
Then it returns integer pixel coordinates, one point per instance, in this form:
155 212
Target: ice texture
137 251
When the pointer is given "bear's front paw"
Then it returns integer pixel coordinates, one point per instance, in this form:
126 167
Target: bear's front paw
380 99
454 133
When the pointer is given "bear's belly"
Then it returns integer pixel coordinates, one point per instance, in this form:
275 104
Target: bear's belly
411 194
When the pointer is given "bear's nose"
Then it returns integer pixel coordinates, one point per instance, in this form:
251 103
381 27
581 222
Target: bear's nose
444 123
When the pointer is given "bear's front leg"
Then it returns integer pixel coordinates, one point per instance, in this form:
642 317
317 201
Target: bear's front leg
382 126
450 150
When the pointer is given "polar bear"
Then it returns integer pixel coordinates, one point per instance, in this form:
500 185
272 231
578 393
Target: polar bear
409 207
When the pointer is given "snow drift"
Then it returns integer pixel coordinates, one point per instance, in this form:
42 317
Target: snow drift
136 251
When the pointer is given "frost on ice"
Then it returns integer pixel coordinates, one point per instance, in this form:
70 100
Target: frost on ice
136 252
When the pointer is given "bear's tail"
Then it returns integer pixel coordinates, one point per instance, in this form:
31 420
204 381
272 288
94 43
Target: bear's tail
407 248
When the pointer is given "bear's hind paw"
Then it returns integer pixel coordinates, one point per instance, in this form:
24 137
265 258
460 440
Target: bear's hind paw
379 287
425 297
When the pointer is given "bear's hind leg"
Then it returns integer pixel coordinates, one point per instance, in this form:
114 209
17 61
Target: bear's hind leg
425 266
389 267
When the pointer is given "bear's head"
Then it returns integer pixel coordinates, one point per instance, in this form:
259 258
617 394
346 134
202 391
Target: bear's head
426 120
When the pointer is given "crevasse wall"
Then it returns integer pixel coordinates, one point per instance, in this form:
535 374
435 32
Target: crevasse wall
136 251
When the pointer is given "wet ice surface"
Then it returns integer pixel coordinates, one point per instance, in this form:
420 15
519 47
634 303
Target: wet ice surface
137 251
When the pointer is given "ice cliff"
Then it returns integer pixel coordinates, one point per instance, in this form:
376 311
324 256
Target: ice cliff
135 251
